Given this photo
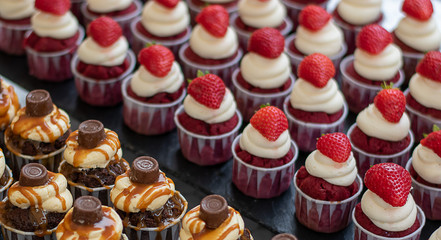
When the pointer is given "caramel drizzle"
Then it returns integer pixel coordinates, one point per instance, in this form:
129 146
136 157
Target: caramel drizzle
8 97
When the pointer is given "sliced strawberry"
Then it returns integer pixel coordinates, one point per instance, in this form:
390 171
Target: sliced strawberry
335 146
391 102
421 10
314 17
208 90
57 7
269 121
214 19
373 39
267 42
430 66
157 59
433 141
105 31
316 69
168 3
389 181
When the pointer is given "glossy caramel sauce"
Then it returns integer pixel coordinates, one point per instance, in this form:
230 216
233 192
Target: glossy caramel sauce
8 98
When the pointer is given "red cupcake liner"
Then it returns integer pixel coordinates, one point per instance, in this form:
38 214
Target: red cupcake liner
305 134
101 92
259 182
206 150
148 118
4 189
12 36
293 10
195 10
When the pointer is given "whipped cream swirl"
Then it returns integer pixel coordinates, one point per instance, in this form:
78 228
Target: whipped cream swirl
106 6
423 36
91 52
208 46
9 104
436 235
162 21
359 12
253 142
259 14
16 9
427 164
327 41
425 91
54 26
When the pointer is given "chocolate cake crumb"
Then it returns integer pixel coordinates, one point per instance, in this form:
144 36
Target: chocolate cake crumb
32 148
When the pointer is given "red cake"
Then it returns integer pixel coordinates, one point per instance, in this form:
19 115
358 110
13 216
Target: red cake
240 24
102 72
146 33
421 180
203 128
377 146
255 89
132 8
191 55
351 71
225 5
161 97
24 21
263 162
421 108
47 44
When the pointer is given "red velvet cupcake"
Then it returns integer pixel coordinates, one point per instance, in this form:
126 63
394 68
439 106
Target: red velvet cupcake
196 7
294 7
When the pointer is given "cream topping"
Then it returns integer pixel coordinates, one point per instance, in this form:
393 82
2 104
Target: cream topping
106 6
9 104
423 36
327 41
54 26
436 235
162 21
16 9
264 72
259 14
91 52
2 163
256 144
359 12
379 67
425 91
387 217
427 164
373 124
208 46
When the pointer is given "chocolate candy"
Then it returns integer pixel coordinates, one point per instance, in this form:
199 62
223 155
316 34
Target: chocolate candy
39 103
33 174
90 133
214 211
145 170
284 236
87 210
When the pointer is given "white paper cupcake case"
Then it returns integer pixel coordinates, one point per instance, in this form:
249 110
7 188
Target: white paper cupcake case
294 9
12 36
4 189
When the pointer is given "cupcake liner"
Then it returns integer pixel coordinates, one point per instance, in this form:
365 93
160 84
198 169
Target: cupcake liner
101 92
249 102
195 10
426 197
325 216
3 190
12 36
52 66
366 160
362 234
258 182
359 95
410 62
206 150
224 71
148 118
305 134
14 234
293 9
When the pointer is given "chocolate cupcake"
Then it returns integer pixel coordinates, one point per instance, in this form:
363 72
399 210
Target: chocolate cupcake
37 133
35 204
147 202
92 161
5 176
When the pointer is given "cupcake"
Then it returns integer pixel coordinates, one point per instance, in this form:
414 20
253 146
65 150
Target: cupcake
153 93
92 161
316 105
213 46
294 7
284 236
163 22
15 21
214 219
35 204
197 6
37 133
6 178
382 131
375 61
103 60
147 202
54 38
436 235
317 33
387 209
329 183
208 121
9 106
264 75
264 155
88 219
422 97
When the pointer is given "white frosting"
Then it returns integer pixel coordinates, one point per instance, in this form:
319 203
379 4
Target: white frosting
373 124
91 52
16 9
54 26
9 104
340 174
225 112
256 144
2 163
106 6
208 46
162 21
327 41
436 235
420 35
265 72
425 91
387 217
259 14
145 84
427 164
379 67
359 12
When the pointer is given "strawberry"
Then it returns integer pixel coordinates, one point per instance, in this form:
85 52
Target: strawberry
214 19
57 7
335 146
314 17
157 59
433 141
430 66
270 122
391 102
105 31
419 9
373 39
267 42
208 90
389 181
168 3
316 69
